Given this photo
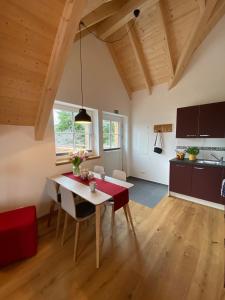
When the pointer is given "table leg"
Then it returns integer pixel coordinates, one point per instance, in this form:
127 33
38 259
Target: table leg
98 233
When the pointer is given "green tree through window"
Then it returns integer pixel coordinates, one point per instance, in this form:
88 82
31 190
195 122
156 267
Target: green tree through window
70 136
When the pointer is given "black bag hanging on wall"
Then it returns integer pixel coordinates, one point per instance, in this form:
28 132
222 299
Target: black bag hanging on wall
158 149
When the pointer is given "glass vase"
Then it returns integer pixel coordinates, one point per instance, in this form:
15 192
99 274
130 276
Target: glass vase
76 170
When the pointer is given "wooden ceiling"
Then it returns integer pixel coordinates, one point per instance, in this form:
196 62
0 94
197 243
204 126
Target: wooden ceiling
162 40
37 35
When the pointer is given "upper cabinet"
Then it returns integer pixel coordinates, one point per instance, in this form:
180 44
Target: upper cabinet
187 122
205 121
212 120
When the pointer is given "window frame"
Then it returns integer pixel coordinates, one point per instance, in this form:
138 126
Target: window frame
113 118
68 107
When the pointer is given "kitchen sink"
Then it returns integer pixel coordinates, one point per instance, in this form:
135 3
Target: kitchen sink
208 162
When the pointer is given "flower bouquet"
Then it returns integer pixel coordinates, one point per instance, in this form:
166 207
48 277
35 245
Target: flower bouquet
77 158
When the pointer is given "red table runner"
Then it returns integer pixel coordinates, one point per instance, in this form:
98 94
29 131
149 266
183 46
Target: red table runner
119 194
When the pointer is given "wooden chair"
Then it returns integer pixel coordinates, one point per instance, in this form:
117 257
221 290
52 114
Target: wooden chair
99 169
121 175
53 192
80 212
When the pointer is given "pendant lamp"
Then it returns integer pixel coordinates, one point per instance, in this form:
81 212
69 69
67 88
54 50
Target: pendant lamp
82 117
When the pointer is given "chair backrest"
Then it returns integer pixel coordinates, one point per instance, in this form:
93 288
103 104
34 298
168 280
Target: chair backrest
118 174
99 169
52 189
68 201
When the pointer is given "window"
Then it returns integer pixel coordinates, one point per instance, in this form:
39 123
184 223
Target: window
111 134
70 136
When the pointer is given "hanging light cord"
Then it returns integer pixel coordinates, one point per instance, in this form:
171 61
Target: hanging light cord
136 15
81 69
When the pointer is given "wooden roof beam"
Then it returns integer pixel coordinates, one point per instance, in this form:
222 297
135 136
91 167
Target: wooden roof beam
85 32
139 54
124 15
92 5
120 69
101 13
193 41
162 17
63 41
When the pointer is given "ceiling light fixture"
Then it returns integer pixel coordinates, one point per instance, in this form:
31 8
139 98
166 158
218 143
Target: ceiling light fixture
82 117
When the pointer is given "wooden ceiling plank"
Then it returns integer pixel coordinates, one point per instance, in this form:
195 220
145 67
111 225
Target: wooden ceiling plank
218 13
120 70
139 54
193 41
162 17
124 15
202 4
68 25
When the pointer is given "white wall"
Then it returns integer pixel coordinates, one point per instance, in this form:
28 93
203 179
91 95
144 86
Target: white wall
203 82
24 162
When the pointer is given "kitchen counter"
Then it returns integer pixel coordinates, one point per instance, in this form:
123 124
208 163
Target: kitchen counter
197 163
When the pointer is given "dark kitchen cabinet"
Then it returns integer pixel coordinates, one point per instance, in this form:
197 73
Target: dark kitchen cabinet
180 178
199 181
187 122
206 183
204 121
212 120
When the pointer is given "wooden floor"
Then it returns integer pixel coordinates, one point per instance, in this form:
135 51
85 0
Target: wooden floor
178 254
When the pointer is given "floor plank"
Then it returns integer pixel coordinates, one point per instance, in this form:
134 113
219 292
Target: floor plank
177 254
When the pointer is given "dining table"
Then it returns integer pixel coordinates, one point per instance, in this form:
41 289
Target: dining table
97 198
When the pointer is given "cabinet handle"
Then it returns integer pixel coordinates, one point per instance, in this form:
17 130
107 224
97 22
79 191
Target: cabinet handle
180 166
197 168
204 134
191 135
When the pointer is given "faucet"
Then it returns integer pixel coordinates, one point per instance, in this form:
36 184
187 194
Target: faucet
216 157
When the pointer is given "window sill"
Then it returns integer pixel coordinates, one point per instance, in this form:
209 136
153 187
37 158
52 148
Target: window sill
67 161
112 149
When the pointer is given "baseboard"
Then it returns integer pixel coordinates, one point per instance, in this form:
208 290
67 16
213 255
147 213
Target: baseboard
198 201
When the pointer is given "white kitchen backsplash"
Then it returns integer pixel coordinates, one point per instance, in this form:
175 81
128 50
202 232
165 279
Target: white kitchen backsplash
206 146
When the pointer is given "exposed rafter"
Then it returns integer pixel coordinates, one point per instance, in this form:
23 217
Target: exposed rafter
193 41
64 38
125 14
85 32
162 18
92 5
120 70
139 54
101 13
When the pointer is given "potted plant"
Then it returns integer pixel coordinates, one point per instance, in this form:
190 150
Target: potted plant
193 152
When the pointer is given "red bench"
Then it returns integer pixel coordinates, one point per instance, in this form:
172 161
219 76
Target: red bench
18 234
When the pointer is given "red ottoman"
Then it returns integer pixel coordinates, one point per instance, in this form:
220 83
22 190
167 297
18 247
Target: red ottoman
18 234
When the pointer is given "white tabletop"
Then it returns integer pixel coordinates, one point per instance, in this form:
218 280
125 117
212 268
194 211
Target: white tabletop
83 190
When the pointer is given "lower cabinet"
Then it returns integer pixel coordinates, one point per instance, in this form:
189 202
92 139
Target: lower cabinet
203 182
206 183
180 178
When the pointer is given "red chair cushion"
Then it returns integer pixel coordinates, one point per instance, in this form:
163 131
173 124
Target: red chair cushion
18 234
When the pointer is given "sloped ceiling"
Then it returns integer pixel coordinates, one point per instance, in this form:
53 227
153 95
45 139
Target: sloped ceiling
27 30
36 35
